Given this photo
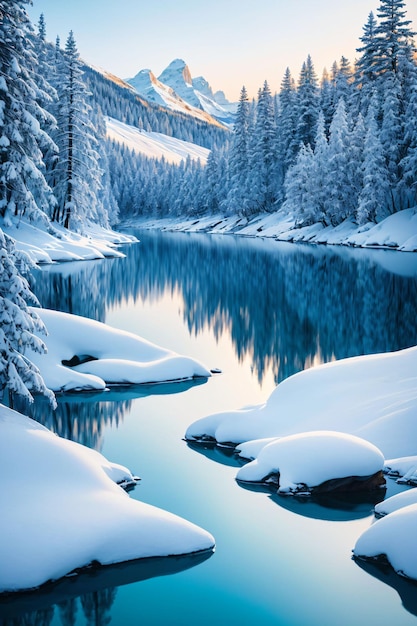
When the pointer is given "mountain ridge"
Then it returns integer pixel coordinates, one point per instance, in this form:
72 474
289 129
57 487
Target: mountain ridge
176 89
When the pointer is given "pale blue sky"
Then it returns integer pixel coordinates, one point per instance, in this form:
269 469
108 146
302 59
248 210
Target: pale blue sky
229 42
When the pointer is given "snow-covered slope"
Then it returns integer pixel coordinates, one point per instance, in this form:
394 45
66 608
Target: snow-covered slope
154 145
177 90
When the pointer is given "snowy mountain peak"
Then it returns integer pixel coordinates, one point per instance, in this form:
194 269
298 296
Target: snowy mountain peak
177 72
176 89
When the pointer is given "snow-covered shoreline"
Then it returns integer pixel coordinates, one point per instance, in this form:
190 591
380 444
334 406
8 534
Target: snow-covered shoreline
396 232
65 510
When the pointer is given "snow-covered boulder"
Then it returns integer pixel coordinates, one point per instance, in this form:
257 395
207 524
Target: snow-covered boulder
86 354
62 510
317 461
396 502
373 397
404 468
394 539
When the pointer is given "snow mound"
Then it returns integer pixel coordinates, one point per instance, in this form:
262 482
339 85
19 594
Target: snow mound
404 468
77 513
396 231
84 354
373 397
396 502
392 538
61 245
303 462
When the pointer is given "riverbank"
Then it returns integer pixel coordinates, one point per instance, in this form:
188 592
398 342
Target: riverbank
396 232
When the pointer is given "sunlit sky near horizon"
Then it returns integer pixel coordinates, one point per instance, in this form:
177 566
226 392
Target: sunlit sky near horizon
229 42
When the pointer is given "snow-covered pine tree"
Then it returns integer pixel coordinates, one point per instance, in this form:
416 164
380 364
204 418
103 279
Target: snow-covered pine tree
238 158
23 189
339 201
407 186
76 177
263 157
366 66
307 104
299 198
374 195
394 36
18 325
288 145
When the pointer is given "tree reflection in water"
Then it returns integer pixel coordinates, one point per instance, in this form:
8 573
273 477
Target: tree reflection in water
285 306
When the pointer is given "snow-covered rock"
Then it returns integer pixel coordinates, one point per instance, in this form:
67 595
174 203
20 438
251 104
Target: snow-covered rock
398 501
404 468
322 460
63 511
373 397
392 538
86 354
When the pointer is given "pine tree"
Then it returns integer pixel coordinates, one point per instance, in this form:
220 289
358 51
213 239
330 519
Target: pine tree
238 158
307 104
23 189
18 325
366 66
299 198
76 177
407 186
338 204
394 37
373 197
263 160
288 144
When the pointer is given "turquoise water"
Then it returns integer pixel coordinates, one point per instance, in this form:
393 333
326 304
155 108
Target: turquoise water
259 311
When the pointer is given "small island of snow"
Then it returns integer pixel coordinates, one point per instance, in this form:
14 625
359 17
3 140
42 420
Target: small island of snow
317 461
84 354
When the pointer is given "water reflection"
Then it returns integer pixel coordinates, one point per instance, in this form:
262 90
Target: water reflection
92 592
337 507
83 417
285 306
406 589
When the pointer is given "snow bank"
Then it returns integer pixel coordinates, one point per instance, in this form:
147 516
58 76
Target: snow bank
392 537
399 501
64 245
404 468
373 397
64 511
110 356
305 461
397 232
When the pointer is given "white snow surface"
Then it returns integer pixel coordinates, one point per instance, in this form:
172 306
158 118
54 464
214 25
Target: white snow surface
120 357
373 397
154 145
396 502
396 232
395 537
305 461
405 468
65 511
64 245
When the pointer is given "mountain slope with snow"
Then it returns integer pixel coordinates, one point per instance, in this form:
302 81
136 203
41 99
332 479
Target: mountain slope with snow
176 89
154 145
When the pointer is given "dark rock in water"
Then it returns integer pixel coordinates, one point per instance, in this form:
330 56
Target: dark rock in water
352 484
